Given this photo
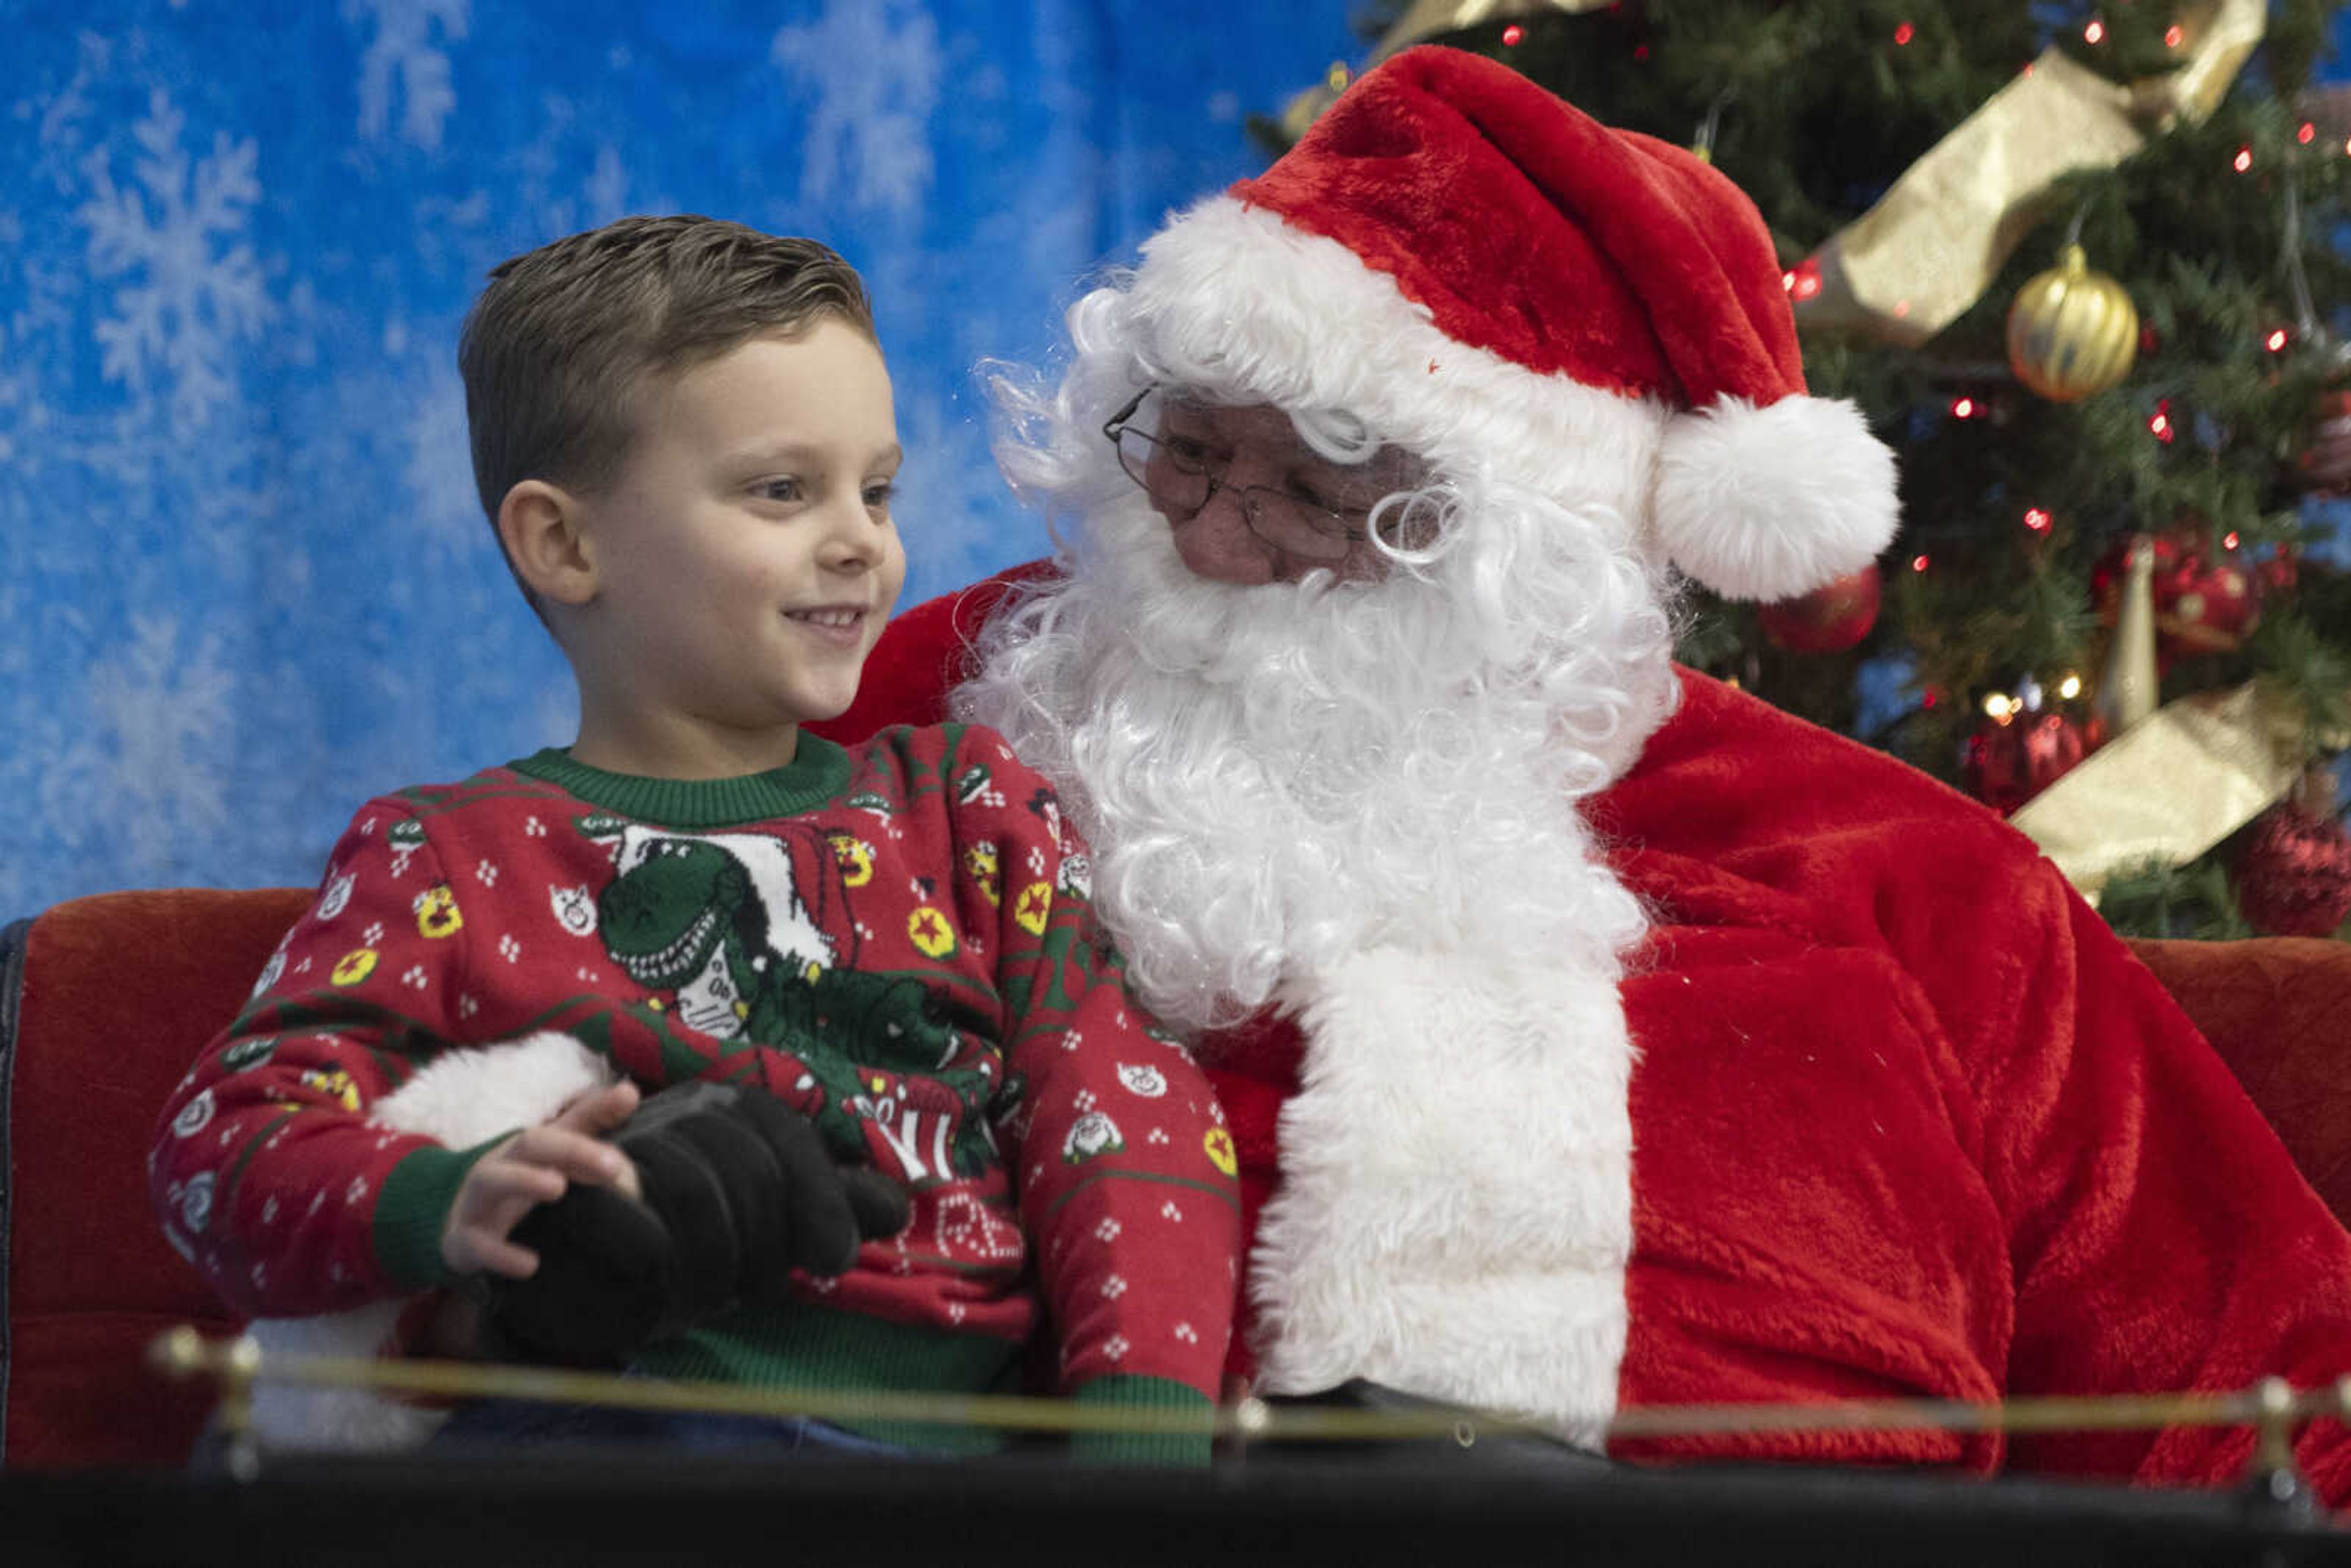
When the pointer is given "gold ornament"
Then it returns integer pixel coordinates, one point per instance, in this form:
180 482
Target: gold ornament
2128 693
1913 264
2071 331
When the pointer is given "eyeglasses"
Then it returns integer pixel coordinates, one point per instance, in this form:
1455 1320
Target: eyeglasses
1181 472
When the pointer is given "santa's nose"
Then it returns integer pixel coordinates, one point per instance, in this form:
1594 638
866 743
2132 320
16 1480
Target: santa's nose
1216 542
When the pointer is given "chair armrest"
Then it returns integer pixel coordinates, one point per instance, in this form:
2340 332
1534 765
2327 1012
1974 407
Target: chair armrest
2278 1011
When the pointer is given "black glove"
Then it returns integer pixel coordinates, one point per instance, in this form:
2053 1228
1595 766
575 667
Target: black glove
739 1191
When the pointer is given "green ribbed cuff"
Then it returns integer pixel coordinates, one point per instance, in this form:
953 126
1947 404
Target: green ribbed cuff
1187 1451
412 1210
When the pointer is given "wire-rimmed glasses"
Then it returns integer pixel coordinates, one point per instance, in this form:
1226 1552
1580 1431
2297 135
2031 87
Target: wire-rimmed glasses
1181 474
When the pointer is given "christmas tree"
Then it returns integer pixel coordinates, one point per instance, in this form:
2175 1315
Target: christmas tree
2082 264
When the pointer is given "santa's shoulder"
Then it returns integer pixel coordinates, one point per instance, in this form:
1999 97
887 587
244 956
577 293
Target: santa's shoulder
1755 794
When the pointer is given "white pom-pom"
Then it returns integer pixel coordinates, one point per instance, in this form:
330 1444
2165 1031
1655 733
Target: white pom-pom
1768 503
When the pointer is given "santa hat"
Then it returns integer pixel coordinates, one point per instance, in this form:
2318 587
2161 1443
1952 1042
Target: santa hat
1485 273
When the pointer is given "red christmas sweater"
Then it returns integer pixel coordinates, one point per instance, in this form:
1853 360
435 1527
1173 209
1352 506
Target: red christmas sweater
1908 1119
898 944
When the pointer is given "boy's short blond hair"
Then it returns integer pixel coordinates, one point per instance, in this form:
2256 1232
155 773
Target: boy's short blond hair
563 337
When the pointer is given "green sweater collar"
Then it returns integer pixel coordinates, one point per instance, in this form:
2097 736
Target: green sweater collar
815 776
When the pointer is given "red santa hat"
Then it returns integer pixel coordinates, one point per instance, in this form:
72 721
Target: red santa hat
1485 273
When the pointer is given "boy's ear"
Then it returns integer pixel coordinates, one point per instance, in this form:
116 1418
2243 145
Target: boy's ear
540 525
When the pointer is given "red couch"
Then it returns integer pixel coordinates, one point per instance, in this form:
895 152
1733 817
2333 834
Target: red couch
104 1002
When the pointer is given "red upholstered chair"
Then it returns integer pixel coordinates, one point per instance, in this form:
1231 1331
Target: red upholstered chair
104 1002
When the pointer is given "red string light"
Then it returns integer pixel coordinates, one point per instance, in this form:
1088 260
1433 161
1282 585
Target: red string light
1963 407
2305 133
2276 340
2160 424
1512 35
1803 280
1904 34
1918 563
2096 32
2242 160
2229 539
2174 36
1640 51
2037 520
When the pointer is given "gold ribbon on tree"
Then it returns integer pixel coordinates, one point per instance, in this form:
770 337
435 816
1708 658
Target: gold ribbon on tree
1422 20
1914 263
2171 786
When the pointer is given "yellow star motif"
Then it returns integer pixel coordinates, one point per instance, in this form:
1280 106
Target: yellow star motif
335 1084
856 859
980 861
1219 1145
436 912
1036 904
929 931
353 966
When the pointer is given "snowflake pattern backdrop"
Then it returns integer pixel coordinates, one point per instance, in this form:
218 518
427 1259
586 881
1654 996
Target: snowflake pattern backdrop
243 580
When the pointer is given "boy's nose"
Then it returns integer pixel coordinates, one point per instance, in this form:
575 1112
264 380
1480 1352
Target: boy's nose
855 541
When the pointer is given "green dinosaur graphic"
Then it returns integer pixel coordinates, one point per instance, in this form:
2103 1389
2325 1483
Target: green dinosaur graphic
881 1049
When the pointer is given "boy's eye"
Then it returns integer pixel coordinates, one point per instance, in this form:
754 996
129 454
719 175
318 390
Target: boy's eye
777 489
880 494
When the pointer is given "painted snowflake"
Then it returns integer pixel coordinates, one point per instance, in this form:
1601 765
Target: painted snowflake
192 292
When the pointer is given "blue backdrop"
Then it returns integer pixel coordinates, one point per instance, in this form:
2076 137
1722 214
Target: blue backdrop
244 580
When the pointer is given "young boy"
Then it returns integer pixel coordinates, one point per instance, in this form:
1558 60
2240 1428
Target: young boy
683 432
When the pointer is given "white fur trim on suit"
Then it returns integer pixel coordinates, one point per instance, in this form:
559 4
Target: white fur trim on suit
1455 1215
1771 502
1234 297
460 1099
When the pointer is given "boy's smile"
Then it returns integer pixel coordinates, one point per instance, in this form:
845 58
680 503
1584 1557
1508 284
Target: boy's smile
744 558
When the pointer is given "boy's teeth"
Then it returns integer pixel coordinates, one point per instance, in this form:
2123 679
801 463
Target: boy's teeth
826 617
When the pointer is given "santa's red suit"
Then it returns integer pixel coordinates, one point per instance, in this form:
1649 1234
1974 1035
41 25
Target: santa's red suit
1907 1119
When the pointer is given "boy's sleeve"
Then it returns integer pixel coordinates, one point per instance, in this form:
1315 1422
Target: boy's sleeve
264 1168
1119 1152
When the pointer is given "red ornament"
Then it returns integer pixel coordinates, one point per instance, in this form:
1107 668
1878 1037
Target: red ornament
2324 467
1828 619
2294 875
2014 755
2206 601
2277 574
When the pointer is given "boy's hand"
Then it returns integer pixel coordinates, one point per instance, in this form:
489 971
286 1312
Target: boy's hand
535 1166
738 1190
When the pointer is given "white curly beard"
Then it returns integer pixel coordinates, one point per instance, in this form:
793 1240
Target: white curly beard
1275 777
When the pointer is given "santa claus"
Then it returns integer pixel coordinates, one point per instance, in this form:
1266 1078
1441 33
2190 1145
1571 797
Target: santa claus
1594 1037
